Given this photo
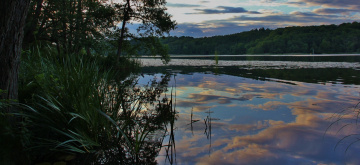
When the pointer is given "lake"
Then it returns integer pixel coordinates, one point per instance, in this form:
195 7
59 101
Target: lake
262 109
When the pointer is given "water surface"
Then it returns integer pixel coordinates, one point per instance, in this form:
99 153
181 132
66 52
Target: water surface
268 114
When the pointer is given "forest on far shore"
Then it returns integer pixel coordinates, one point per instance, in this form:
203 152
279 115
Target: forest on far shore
343 38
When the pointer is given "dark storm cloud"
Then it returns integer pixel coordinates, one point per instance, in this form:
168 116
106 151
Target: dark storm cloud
179 5
224 10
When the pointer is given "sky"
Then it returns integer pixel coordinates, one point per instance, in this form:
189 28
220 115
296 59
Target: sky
204 18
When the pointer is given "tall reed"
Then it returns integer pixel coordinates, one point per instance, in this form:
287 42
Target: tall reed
216 57
73 105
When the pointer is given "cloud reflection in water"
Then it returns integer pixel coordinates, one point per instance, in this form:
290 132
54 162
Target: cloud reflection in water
262 122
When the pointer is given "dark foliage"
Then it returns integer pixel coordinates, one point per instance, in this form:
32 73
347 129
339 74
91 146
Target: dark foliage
343 38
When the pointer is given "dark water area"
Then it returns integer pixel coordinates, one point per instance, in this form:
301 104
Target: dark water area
263 115
307 58
309 75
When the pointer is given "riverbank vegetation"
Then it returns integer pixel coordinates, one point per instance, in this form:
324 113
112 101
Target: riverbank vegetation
71 110
343 38
76 99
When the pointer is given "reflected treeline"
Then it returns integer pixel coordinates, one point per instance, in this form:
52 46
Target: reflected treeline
144 118
308 75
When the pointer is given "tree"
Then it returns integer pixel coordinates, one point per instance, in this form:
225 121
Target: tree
72 25
75 25
12 21
151 15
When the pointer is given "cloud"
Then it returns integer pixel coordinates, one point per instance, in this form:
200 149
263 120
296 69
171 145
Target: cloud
224 10
332 3
186 30
194 16
304 14
272 20
261 155
247 22
202 108
333 11
224 28
293 19
201 98
295 3
282 18
267 147
267 1
271 105
193 31
182 103
257 126
181 5
294 136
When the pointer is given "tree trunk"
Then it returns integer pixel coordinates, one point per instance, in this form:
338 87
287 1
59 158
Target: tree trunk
126 18
12 20
121 39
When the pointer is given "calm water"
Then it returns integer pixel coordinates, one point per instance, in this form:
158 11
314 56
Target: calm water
236 114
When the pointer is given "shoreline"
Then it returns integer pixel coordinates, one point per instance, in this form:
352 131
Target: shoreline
258 55
248 64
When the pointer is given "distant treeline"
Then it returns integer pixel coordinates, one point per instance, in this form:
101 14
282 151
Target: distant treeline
344 38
